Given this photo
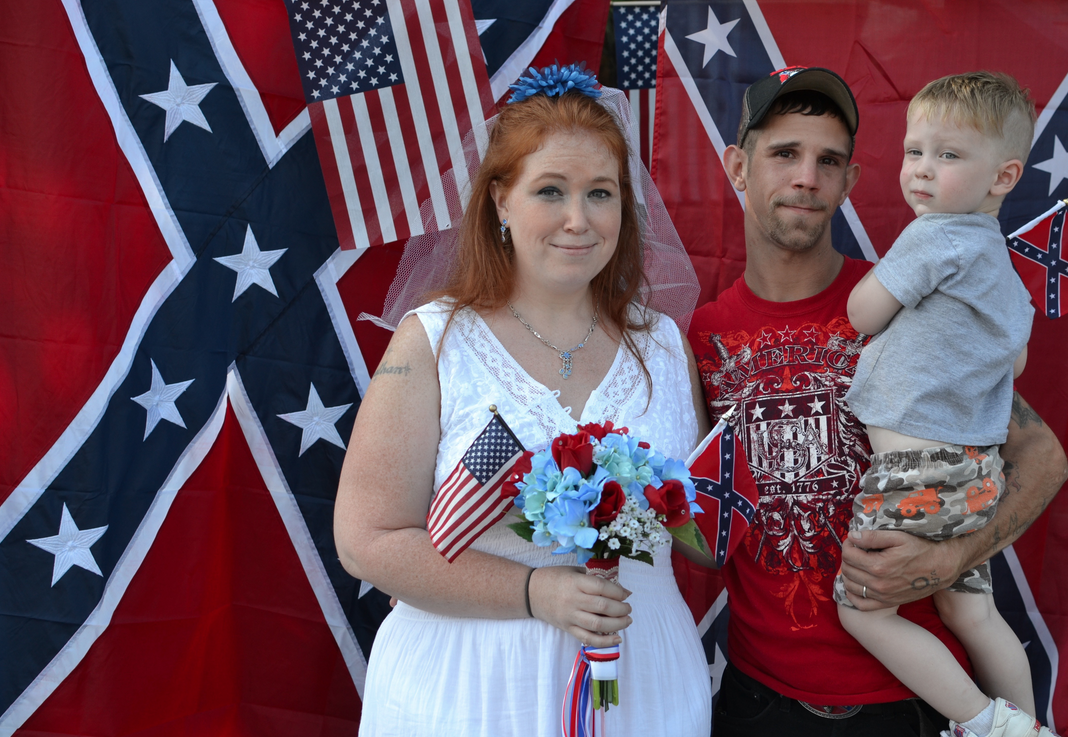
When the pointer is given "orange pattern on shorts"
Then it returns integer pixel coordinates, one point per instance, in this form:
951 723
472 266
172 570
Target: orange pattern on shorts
925 499
872 502
982 498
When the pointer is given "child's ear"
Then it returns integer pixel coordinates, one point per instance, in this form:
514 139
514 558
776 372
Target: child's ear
1008 175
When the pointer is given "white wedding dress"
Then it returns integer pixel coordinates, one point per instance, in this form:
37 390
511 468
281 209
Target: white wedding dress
463 677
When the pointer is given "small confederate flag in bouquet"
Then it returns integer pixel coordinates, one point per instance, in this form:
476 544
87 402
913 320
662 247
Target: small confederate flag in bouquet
726 490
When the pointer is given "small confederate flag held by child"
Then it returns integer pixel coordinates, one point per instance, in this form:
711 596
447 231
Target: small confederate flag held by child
1037 251
472 498
725 490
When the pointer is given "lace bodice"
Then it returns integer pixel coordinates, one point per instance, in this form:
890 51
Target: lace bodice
475 371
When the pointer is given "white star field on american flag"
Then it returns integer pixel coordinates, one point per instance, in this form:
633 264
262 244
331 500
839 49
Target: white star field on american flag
343 46
636 29
490 452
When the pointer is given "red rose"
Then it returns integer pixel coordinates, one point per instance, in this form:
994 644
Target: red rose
670 501
599 431
574 451
519 470
612 499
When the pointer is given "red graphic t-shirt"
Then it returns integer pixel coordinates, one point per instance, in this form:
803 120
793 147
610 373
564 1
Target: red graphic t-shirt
787 366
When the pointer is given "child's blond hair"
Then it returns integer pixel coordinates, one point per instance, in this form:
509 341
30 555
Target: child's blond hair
991 102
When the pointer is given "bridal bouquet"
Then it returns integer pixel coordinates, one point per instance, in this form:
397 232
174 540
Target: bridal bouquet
603 494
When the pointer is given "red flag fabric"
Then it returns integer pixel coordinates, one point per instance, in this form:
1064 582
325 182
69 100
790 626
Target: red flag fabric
886 50
577 35
1037 251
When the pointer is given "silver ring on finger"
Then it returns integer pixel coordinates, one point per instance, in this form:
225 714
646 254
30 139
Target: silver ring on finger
864 592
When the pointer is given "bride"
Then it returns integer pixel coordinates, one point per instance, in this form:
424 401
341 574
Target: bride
542 317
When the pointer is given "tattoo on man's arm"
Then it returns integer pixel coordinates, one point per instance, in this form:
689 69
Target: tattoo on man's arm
1014 527
1022 414
924 582
1012 479
1006 531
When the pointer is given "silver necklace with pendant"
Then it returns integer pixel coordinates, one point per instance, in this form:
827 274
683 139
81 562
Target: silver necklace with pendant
565 356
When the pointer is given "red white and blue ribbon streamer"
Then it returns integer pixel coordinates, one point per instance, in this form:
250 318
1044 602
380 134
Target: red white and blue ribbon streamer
590 663
577 716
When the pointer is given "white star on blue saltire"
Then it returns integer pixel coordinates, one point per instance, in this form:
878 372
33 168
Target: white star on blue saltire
483 25
714 37
1057 167
252 265
159 401
317 422
70 546
181 101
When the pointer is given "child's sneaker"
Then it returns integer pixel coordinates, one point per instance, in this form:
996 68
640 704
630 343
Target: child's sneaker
1009 721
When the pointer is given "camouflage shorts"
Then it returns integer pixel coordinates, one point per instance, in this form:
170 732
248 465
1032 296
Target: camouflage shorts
936 493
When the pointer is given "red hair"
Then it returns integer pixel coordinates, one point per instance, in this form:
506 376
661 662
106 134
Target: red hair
483 276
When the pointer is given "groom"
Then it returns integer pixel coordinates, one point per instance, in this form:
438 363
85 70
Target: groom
778 345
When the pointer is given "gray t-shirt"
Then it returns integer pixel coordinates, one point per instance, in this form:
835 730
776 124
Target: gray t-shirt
942 368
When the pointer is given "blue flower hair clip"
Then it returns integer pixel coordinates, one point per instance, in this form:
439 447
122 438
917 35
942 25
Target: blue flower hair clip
555 81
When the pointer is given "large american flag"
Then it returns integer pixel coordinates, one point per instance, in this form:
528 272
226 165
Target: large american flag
636 27
393 87
710 51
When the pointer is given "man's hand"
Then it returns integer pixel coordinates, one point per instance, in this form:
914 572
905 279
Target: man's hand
896 567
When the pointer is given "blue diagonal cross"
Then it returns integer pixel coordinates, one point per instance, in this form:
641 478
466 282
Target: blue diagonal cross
221 189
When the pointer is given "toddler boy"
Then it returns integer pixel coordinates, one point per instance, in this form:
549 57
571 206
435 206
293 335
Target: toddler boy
951 321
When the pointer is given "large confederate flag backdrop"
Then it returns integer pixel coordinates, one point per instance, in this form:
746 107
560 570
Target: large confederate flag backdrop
886 50
179 372
180 364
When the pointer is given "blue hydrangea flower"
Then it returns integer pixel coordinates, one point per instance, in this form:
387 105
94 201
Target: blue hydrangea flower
625 460
542 537
541 464
532 502
554 81
568 521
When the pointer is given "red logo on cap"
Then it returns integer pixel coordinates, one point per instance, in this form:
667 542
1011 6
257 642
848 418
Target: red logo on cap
787 72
